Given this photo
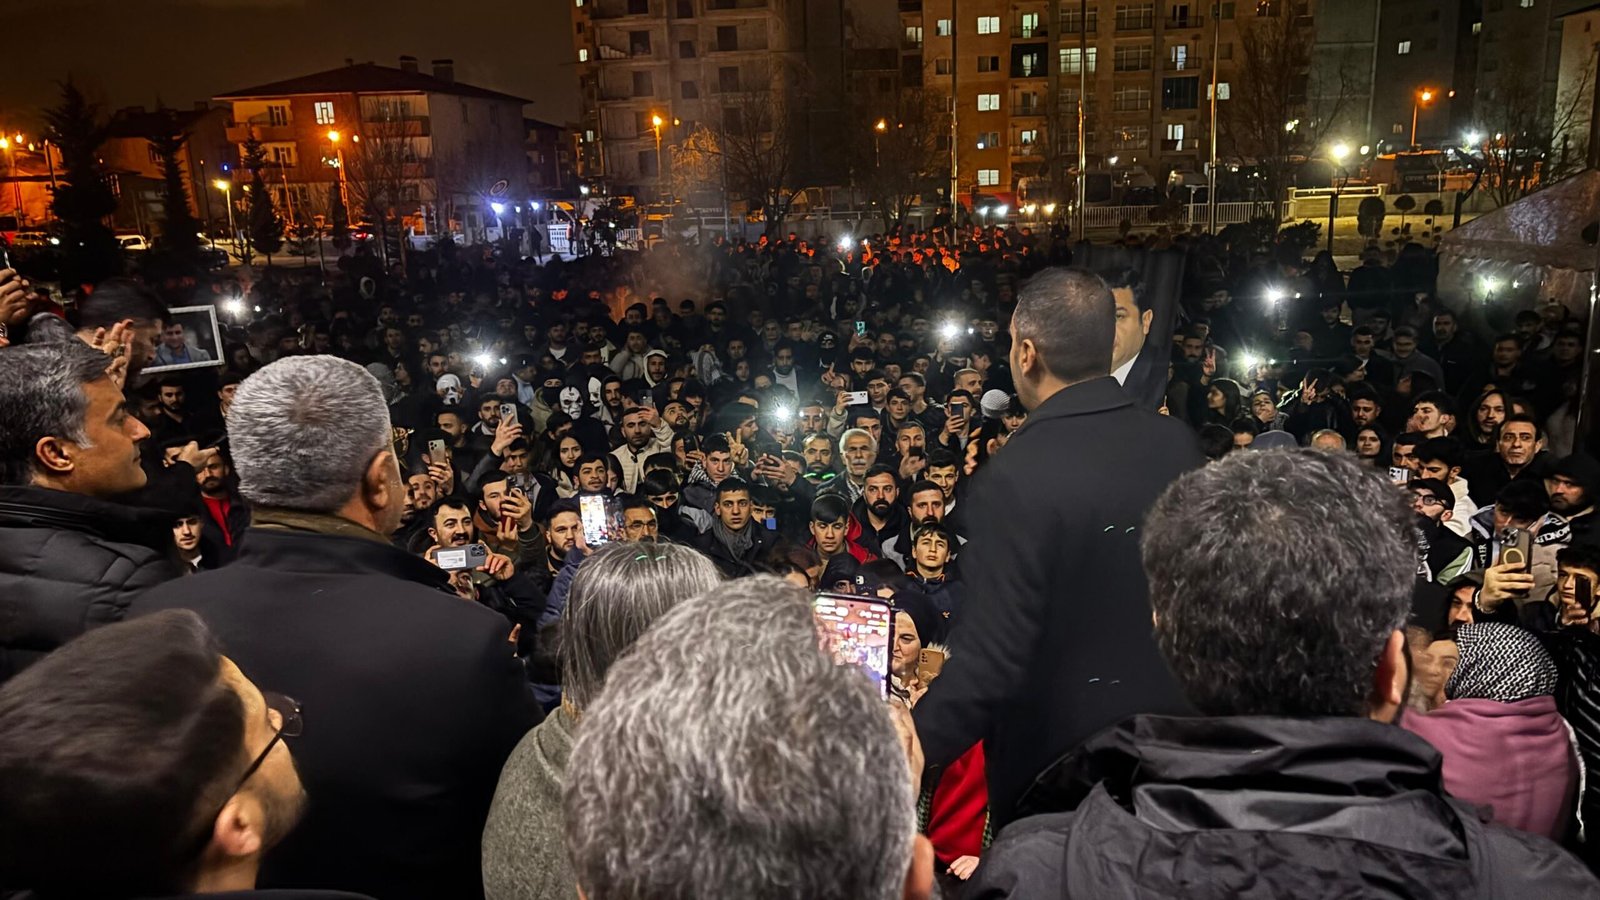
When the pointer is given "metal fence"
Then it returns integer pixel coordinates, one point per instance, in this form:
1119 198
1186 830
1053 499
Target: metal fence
1193 214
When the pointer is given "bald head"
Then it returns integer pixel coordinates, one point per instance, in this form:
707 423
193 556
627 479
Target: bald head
1071 318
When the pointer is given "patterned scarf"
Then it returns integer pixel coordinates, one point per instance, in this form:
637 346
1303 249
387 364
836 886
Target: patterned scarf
1500 662
739 542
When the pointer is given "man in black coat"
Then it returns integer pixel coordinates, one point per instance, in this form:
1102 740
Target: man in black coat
70 557
1056 644
416 694
1294 781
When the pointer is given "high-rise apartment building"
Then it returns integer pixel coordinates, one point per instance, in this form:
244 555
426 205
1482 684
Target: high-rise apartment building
1012 72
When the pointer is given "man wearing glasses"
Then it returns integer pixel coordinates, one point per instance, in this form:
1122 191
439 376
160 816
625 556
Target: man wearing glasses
1441 553
142 746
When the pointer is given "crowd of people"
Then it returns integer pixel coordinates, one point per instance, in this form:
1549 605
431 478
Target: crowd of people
532 547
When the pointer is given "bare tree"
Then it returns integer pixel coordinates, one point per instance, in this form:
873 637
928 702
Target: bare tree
758 149
898 153
1528 144
695 177
1268 118
382 166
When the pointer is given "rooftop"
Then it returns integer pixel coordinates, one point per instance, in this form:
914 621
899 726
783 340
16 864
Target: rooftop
367 78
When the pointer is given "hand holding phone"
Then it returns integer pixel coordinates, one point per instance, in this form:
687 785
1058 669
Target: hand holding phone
855 398
858 631
455 559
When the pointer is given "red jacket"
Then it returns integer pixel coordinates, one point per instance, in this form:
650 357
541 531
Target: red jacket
861 554
958 813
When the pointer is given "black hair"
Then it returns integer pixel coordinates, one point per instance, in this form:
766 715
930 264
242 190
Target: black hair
939 458
920 485
830 508
1524 499
636 501
1585 556
1444 403
564 505
731 485
117 743
1246 425
659 482
1505 337
1363 390
1538 432
715 443
116 299
1447 450
1216 441
882 469
938 528
1411 439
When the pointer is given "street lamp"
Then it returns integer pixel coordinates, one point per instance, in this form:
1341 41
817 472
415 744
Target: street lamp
1423 98
10 145
878 129
1338 153
656 123
226 187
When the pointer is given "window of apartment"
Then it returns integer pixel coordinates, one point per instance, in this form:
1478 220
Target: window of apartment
733 118
988 64
988 24
1031 65
1404 48
643 85
1071 62
1226 10
638 7
277 115
641 122
1131 59
728 79
988 102
1477 28
1027 137
942 143
1136 16
1223 91
281 154
1179 58
1267 8
324 111
1526 4
689 90
647 163
988 177
1126 99
727 37
1178 16
579 27
155 158
686 49
1225 51
1180 93
583 54
639 43
941 66
1131 137
988 140
577 2
685 9
914 35
1072 21
1027 103
1028 25
942 28
1175 131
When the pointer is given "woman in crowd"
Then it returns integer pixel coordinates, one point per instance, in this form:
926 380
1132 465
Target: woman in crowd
1373 446
1505 746
1487 412
1265 409
563 466
1223 402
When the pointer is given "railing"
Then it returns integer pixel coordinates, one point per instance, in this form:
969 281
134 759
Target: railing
1034 71
1184 22
1030 31
1136 23
1190 63
1027 109
621 9
1189 214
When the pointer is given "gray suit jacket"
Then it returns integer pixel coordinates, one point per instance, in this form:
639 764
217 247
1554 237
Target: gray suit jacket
523 857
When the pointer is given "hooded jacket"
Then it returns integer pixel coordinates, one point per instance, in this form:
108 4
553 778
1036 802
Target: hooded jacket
1256 807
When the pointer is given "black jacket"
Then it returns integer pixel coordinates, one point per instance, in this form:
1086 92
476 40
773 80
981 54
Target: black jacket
68 563
1258 807
412 699
730 564
1056 643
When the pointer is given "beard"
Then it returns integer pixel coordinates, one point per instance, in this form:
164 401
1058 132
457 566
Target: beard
881 509
211 485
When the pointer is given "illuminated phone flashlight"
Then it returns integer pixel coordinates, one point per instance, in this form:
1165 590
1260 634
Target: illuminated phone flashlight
1249 361
949 330
235 307
483 360
845 243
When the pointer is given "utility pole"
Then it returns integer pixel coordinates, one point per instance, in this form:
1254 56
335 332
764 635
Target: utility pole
1211 175
1083 90
955 104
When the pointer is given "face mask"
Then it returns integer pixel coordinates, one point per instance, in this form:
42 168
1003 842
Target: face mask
571 402
594 392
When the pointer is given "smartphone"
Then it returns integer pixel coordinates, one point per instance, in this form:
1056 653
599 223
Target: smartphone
1516 547
861 328
472 556
859 632
1399 474
508 412
436 451
1583 591
855 398
593 511
959 409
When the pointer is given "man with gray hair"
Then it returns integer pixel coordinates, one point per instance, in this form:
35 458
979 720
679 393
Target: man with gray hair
418 693
616 594
728 756
71 557
1293 781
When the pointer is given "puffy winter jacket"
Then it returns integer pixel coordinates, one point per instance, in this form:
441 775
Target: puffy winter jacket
68 563
1262 807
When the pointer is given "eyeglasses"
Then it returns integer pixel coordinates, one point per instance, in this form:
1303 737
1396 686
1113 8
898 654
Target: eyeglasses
1426 500
283 712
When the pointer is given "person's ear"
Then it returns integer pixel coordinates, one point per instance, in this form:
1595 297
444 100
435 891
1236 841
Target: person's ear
1145 318
237 832
1390 679
1027 356
380 481
1446 516
919 877
54 455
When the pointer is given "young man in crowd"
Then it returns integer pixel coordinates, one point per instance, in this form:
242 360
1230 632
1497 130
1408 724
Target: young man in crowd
735 541
1440 458
831 530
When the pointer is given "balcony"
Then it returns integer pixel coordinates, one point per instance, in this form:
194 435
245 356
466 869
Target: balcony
1030 31
1193 20
1027 151
1189 64
720 6
605 10
409 126
1180 145
746 46
241 132
1020 109
1126 24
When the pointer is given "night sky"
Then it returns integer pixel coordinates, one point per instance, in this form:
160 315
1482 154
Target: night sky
134 52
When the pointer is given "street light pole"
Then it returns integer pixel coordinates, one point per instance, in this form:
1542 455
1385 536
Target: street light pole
1083 90
1211 175
1337 153
226 187
655 123
878 129
1422 96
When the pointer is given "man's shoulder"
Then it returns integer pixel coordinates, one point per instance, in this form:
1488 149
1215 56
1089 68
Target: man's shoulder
1025 861
1527 865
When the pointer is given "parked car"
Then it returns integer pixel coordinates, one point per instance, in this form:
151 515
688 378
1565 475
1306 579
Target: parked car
26 240
133 243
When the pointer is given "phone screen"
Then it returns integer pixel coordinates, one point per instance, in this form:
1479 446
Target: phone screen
596 520
861 327
1583 588
858 631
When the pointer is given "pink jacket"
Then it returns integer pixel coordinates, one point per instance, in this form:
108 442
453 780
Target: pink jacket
1516 758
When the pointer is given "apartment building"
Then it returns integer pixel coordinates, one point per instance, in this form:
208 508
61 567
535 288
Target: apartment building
447 148
1012 72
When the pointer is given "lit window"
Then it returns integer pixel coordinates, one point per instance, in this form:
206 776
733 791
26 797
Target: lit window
583 54
324 113
988 102
988 24
1222 91
1526 4
1175 131
942 28
1477 28
988 177
1404 48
